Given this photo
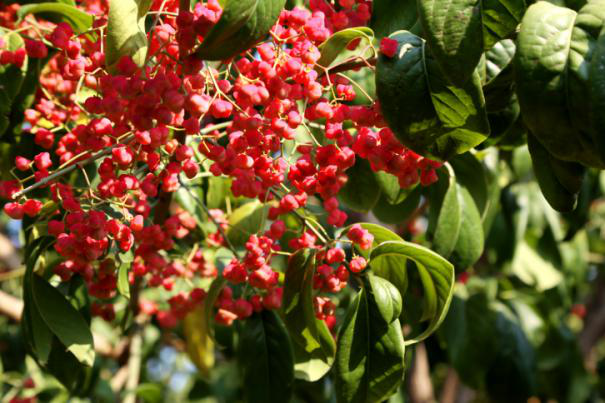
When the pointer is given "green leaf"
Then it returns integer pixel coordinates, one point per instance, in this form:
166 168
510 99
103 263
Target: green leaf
397 213
487 347
126 35
498 58
245 221
337 43
436 274
314 346
200 347
361 192
447 213
242 24
389 16
533 270
267 359
427 113
555 49
370 357
79 20
597 91
391 190
459 31
123 283
470 242
213 293
559 198
38 335
63 320
471 174
11 77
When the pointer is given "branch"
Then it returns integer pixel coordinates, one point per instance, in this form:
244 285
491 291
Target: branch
69 168
12 308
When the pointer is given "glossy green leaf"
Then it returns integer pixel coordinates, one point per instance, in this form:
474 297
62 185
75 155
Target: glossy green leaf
314 346
459 31
447 212
397 213
427 113
597 91
63 320
559 198
337 43
437 277
242 24
498 58
79 20
267 359
391 190
361 192
389 16
470 242
471 174
126 35
370 357
245 221
555 49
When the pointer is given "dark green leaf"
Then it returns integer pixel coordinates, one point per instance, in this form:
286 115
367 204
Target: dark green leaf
389 16
597 91
267 359
79 20
314 346
391 190
337 43
436 274
242 24
469 245
555 49
126 35
427 113
471 174
397 213
459 31
245 221
215 289
487 346
63 320
370 358
361 192
447 213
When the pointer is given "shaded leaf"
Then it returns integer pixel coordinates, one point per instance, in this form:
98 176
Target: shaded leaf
267 359
436 274
361 192
370 357
63 320
459 31
314 346
242 24
427 113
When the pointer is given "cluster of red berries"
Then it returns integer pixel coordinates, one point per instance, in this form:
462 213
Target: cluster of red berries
159 126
